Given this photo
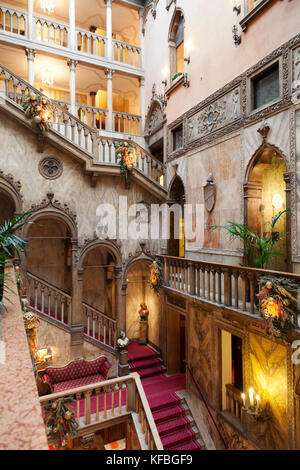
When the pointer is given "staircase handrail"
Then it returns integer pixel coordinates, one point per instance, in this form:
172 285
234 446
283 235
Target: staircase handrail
48 284
99 313
207 407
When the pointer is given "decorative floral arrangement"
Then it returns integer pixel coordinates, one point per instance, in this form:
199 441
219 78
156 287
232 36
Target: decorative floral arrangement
38 109
59 417
156 275
278 303
127 156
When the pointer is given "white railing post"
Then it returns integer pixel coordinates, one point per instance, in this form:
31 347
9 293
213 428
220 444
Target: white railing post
142 105
30 65
72 65
109 74
72 21
109 52
30 25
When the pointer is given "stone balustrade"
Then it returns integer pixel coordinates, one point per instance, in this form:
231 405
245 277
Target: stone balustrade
126 123
50 32
102 403
58 35
91 43
126 53
230 286
13 21
234 401
93 117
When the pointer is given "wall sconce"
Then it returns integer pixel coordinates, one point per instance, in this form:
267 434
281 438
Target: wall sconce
237 8
44 355
252 405
186 81
187 60
277 201
236 38
165 82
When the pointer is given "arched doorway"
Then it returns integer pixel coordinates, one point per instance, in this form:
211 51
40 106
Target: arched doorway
49 252
99 290
139 292
176 245
265 195
7 207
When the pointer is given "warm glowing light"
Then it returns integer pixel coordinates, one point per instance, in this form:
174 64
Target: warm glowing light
42 354
251 397
47 6
47 77
189 47
244 400
277 201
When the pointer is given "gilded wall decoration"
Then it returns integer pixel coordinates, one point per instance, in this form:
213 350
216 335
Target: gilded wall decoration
216 115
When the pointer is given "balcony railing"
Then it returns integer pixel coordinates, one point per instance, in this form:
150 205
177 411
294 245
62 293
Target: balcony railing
106 401
101 149
13 21
99 326
234 401
57 35
220 284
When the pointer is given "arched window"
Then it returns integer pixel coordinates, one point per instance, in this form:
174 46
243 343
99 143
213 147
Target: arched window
176 44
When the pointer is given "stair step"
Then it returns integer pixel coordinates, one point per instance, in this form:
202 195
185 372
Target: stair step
173 426
157 370
191 445
181 437
163 402
168 414
144 364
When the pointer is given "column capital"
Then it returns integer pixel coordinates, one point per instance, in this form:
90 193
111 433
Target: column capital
30 53
72 63
109 73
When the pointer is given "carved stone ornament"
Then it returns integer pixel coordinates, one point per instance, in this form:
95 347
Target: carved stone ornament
51 167
264 130
210 192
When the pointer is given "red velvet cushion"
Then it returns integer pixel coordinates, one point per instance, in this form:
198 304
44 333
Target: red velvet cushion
105 368
77 383
76 370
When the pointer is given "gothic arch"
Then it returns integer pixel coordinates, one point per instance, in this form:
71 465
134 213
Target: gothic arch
257 154
108 245
176 177
178 13
52 208
11 188
139 258
155 116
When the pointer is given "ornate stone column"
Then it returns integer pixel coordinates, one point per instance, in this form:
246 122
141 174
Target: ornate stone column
77 320
72 65
142 104
109 74
72 24
30 65
30 26
109 51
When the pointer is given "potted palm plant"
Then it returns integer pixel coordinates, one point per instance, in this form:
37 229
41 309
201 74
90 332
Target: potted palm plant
10 244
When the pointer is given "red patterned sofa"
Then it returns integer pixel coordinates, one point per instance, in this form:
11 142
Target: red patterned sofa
77 374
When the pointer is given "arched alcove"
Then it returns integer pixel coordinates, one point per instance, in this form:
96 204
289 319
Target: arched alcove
176 245
265 193
7 207
139 292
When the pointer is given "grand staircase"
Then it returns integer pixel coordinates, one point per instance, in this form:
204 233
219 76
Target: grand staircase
174 421
95 150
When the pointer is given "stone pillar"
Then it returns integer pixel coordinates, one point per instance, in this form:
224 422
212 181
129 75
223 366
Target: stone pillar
72 65
30 27
30 65
142 37
109 52
77 320
142 104
72 24
109 73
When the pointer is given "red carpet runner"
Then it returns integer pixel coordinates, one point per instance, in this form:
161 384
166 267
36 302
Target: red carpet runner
170 417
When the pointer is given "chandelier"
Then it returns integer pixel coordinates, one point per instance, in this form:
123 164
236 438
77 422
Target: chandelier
47 77
47 6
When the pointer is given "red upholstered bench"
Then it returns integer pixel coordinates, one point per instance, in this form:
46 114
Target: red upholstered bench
77 374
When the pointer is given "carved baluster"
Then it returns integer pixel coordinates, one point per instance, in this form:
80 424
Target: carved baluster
203 281
252 292
236 289
208 294
214 296
109 334
113 400
78 398
62 306
35 295
104 331
87 407
49 301
105 403
219 286
55 305
227 288
94 317
166 272
120 388
43 299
